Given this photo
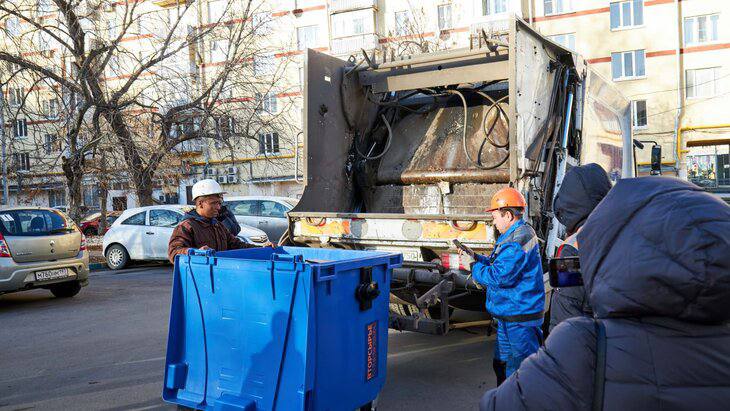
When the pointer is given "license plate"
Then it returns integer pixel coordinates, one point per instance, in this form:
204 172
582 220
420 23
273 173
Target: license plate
52 274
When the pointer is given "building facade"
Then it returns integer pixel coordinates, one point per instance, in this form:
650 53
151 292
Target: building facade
670 58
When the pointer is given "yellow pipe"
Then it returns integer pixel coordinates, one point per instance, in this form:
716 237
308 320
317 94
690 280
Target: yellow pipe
242 160
691 128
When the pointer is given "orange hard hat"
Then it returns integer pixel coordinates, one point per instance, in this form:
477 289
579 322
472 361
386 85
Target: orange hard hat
507 197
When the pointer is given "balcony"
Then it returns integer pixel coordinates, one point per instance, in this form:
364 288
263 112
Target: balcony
337 6
348 45
190 148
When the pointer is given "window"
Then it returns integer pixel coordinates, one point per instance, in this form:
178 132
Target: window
628 64
22 161
218 51
402 22
12 25
32 222
627 14
702 82
244 208
56 198
264 64
639 113
113 67
20 128
269 143
44 7
111 29
226 126
558 6
352 23
491 7
137 219
49 144
566 40
51 108
91 195
700 29
44 41
16 96
216 9
164 218
444 13
262 23
307 37
273 209
268 102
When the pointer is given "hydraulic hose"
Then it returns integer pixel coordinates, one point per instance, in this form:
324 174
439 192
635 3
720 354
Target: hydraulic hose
387 143
488 133
463 136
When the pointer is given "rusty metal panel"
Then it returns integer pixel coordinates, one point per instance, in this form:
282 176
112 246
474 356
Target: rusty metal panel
428 148
327 141
424 77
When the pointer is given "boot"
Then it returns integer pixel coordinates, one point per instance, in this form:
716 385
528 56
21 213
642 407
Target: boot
500 370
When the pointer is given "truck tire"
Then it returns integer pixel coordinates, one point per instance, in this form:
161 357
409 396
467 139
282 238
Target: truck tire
117 257
65 290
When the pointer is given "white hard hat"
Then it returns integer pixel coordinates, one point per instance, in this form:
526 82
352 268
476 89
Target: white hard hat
207 187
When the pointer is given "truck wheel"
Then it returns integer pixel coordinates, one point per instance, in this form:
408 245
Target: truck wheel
65 290
117 257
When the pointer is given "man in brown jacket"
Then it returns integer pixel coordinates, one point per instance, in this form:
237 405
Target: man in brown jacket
201 229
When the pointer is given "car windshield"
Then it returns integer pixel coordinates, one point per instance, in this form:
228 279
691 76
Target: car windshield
33 223
91 217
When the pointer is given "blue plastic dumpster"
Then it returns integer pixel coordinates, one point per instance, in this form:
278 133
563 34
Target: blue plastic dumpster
278 329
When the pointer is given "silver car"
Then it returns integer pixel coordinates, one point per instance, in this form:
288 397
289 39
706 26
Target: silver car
41 248
265 213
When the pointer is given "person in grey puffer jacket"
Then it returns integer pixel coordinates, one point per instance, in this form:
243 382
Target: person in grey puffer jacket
582 189
655 260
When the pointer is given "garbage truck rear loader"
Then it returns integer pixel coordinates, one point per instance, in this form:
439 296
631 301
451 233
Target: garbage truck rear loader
403 154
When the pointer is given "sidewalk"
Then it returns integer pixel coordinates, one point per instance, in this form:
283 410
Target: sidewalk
96 258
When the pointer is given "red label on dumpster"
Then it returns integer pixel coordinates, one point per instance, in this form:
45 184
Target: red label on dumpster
371 331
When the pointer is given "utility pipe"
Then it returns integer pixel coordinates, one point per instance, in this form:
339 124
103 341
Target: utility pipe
678 117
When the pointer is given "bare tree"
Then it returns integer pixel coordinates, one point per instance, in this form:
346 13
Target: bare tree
142 75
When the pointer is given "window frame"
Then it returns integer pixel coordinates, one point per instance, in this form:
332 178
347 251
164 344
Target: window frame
20 124
264 64
314 42
22 161
51 109
696 29
635 115
554 38
144 223
269 140
440 15
219 50
632 9
714 82
565 7
15 29
633 65
15 96
401 27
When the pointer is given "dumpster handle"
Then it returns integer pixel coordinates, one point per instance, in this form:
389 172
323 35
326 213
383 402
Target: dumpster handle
286 339
205 334
201 253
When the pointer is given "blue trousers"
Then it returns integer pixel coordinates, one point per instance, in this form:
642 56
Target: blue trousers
517 341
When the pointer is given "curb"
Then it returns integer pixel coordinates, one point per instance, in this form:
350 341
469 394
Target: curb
97 266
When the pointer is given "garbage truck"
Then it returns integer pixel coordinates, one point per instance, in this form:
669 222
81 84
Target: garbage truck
403 153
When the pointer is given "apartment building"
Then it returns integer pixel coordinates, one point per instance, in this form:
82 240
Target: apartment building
669 57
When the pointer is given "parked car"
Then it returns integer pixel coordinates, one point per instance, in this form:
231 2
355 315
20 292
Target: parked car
265 213
90 225
143 234
41 248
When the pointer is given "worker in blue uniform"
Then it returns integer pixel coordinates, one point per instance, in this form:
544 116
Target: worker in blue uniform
512 275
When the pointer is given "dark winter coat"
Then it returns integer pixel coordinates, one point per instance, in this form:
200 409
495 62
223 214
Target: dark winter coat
655 256
197 231
582 189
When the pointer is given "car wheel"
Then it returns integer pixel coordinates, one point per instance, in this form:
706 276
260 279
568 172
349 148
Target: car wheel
117 257
65 290
90 231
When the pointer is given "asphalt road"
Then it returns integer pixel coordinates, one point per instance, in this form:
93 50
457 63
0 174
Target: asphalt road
104 350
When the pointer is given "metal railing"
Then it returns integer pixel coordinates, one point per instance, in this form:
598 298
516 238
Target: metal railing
346 45
346 5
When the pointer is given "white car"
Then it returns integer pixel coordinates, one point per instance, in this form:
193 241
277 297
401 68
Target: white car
143 234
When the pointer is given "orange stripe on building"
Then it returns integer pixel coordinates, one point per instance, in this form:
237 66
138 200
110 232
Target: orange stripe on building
290 94
573 14
298 11
133 38
222 23
36 122
662 53
594 11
